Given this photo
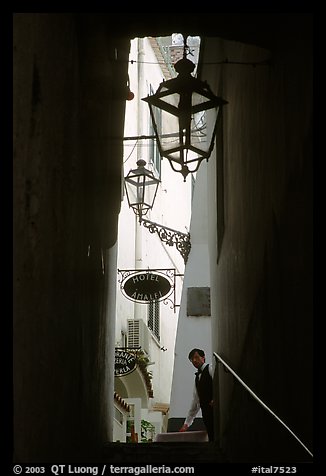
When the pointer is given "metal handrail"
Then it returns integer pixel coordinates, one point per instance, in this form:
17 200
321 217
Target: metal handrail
260 401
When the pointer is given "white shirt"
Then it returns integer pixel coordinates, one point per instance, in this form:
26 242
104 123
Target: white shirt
195 405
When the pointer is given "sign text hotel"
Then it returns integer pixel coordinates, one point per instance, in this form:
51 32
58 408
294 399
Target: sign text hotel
146 287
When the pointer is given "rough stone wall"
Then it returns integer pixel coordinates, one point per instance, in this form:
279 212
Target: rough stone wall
67 179
262 297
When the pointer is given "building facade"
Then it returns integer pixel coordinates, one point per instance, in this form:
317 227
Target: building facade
148 329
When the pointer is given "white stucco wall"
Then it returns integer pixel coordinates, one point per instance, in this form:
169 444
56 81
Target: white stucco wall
140 249
192 331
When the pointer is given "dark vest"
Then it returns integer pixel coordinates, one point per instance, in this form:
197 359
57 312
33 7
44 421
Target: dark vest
204 387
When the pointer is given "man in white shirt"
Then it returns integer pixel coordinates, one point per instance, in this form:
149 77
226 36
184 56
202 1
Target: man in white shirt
202 393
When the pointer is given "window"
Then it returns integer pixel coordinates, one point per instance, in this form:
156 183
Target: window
154 318
130 425
220 182
124 339
154 154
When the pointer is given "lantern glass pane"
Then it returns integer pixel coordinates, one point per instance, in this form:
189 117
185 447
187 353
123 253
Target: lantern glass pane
197 139
203 101
197 99
135 190
171 99
210 125
167 132
150 192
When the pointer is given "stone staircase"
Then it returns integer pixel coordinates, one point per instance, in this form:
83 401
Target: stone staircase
186 453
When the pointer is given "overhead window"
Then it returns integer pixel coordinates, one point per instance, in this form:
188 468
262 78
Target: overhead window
154 154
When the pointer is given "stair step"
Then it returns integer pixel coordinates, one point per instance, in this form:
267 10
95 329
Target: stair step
176 452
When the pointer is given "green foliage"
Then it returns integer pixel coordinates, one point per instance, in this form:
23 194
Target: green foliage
147 431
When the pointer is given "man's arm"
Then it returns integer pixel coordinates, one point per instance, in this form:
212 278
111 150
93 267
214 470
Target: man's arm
194 409
211 373
211 370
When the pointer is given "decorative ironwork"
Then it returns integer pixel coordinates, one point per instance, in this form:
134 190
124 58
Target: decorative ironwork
171 237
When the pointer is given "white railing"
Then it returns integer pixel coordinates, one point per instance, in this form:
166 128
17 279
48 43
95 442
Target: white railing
259 400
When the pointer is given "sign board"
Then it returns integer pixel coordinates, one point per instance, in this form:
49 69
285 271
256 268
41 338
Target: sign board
146 287
125 363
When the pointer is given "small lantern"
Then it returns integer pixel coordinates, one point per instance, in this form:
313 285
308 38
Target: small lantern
188 112
141 187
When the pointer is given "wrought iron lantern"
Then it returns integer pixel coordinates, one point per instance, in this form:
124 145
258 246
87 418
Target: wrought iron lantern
141 188
184 112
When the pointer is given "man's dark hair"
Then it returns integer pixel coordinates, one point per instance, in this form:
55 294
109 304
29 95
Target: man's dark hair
193 351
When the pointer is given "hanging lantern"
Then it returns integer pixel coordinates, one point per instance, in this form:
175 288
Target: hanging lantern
141 188
187 110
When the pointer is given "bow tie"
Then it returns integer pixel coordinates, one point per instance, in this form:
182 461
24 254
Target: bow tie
198 372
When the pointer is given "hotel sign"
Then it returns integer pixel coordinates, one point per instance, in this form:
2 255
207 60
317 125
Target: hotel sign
125 363
146 287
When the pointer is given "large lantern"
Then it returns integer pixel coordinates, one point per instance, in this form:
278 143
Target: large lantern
188 112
